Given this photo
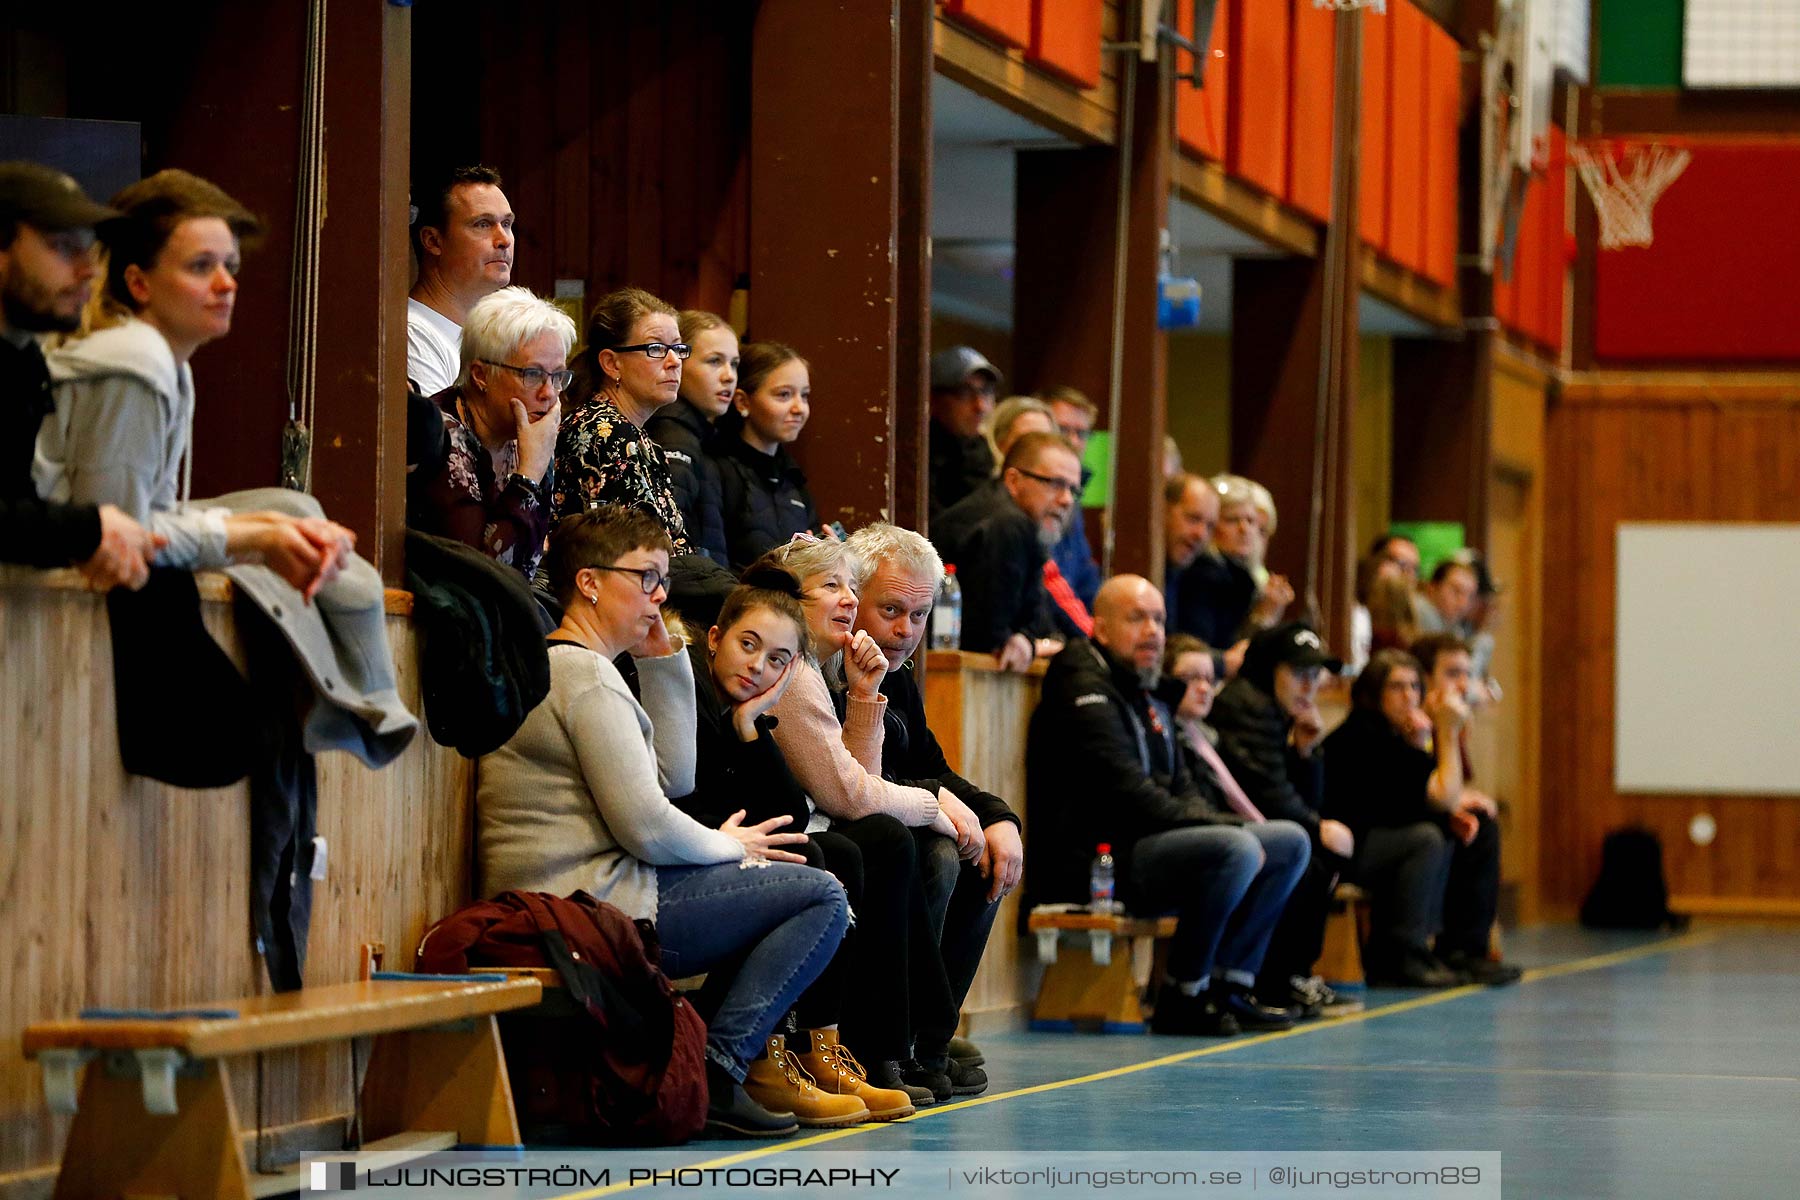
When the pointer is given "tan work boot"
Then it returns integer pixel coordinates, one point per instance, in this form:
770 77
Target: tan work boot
779 1083
835 1069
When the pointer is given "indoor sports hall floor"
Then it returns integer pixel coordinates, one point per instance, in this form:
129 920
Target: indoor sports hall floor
1623 1065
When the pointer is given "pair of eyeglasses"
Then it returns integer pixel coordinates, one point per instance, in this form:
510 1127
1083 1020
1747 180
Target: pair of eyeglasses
649 578
657 349
534 377
1061 485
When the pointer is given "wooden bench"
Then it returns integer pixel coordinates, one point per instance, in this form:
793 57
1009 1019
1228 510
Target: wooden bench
154 1116
1098 985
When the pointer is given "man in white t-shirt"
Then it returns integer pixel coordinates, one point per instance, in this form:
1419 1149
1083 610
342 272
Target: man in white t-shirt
463 237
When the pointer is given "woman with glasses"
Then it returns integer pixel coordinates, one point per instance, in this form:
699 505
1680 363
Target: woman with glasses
492 491
766 500
578 799
634 356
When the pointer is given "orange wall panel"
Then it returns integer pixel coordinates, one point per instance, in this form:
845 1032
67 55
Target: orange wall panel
1065 40
1556 263
1530 265
1406 161
1443 91
1201 116
1372 190
1257 142
1006 21
1312 54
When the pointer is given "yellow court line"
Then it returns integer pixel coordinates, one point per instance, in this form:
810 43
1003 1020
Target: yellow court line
1526 1072
1535 975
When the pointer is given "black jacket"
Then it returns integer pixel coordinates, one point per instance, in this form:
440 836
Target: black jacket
1102 765
730 773
1374 778
34 532
959 465
484 665
1253 741
1210 598
764 498
686 438
910 753
1000 565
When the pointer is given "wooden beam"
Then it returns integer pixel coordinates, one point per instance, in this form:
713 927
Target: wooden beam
1086 118
1682 388
823 275
912 327
1410 292
1209 186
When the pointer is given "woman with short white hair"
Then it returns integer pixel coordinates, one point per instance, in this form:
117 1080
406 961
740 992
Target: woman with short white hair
492 491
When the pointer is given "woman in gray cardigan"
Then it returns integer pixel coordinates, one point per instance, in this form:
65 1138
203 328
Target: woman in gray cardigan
578 799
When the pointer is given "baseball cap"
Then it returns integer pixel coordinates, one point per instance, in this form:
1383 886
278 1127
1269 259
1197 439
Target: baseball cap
47 199
1296 644
951 368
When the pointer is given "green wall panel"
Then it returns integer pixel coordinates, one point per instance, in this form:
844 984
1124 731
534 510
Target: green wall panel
1640 42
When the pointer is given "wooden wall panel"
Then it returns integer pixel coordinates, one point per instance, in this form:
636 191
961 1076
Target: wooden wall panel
1065 40
1377 131
1256 146
1312 53
1443 128
1652 454
1005 21
119 891
1405 238
1202 117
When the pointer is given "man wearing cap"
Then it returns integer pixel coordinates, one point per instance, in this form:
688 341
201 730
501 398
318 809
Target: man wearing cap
1269 731
46 269
963 386
1103 766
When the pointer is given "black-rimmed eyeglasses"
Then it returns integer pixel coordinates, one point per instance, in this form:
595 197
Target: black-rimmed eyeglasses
657 349
1061 485
534 377
649 578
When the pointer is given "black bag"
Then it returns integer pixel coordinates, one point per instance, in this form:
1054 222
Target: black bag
1631 892
615 1056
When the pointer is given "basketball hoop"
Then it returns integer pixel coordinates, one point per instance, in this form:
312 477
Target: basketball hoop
1624 183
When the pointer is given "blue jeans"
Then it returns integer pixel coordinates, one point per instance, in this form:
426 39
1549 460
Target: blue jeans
778 925
1228 884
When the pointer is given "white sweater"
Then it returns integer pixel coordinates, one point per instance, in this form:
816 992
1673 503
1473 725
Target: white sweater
578 799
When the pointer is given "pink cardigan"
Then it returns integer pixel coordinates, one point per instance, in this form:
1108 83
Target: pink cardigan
840 766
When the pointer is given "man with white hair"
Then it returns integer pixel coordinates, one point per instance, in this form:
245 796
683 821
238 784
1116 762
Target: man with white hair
463 237
492 489
1104 768
965 880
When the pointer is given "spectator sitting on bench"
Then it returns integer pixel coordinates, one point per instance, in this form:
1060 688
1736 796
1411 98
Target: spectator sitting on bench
578 800
1472 896
1269 732
1103 766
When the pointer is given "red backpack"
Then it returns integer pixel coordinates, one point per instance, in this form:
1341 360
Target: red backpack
616 1056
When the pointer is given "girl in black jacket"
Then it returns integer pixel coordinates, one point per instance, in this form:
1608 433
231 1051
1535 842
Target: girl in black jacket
739 673
764 493
685 432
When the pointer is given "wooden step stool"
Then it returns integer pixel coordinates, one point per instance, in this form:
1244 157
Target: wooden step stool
154 1115
1346 928
1097 987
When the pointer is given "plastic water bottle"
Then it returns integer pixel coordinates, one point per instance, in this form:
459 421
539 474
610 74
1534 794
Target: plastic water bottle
946 613
1100 881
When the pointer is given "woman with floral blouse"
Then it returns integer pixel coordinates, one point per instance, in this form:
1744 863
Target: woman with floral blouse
635 352
501 417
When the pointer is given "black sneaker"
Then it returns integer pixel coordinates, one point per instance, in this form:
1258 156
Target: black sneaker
891 1074
730 1112
1415 969
963 1051
1482 970
915 1074
1181 1015
964 1081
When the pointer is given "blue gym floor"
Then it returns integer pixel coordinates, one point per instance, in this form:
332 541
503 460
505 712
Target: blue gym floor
1623 1065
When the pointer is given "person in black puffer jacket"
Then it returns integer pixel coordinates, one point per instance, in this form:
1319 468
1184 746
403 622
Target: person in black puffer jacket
685 431
764 494
1269 734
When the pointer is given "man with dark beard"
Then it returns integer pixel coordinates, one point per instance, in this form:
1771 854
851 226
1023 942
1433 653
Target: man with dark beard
46 268
999 538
